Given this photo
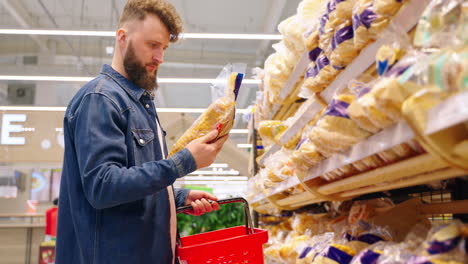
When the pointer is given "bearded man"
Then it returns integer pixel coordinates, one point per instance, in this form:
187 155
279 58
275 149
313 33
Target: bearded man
117 203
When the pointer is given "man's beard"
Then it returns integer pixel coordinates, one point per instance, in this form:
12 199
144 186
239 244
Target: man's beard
137 73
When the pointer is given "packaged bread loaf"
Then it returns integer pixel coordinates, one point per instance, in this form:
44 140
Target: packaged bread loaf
370 17
443 24
292 32
325 73
335 131
343 11
326 29
220 114
343 50
269 129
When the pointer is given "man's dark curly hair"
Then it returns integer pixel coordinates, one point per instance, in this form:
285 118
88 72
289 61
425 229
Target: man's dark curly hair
138 9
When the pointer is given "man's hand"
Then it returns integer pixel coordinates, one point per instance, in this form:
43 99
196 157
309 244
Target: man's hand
204 152
199 201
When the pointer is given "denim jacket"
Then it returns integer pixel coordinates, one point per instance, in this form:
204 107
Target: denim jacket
113 205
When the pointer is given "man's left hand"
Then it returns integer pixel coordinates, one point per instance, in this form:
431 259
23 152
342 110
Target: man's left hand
200 202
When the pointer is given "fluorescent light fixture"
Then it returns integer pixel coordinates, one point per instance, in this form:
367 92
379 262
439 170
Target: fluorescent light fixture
92 33
45 78
62 109
219 165
230 36
87 79
215 178
224 183
244 145
200 172
56 32
239 131
33 108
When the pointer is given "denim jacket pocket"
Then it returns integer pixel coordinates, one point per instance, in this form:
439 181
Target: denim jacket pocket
143 145
143 136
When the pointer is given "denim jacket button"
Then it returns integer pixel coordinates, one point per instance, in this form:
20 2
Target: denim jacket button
147 106
142 141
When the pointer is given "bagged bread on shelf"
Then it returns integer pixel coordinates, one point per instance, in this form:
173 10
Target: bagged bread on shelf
370 18
292 32
442 24
343 50
326 29
288 252
278 167
278 67
308 88
306 156
445 242
308 12
323 75
315 246
335 131
356 110
221 113
335 253
343 12
396 45
371 255
388 92
269 129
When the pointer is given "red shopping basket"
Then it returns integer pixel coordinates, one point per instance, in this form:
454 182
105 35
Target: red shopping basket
236 245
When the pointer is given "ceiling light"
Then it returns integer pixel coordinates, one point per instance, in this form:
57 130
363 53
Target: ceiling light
230 36
93 33
62 109
219 165
215 178
239 131
244 145
87 79
209 183
201 172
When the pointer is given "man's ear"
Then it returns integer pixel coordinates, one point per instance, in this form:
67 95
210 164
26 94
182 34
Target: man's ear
122 37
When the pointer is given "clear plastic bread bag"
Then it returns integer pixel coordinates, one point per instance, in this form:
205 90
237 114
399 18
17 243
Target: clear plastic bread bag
371 17
444 23
221 113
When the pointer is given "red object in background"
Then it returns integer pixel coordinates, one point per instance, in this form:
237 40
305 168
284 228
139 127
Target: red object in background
51 222
46 255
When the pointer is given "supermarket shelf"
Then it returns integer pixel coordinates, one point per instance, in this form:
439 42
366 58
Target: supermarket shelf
311 109
410 172
406 19
298 71
269 152
452 111
379 142
289 183
408 182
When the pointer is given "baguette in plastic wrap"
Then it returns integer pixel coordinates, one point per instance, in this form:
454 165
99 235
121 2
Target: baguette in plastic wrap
219 115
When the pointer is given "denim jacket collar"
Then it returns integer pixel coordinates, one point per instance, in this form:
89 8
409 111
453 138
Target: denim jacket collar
132 89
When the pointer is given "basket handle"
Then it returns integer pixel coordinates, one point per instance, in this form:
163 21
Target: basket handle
248 219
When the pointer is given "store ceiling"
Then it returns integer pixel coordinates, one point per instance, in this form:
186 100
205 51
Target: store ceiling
83 56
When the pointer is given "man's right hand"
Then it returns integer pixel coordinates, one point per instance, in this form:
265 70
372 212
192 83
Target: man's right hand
203 152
